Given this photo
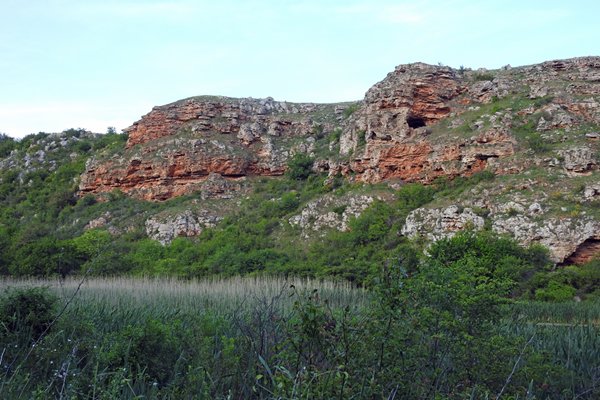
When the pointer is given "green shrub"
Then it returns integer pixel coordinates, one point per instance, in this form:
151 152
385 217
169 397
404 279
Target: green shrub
484 76
27 312
7 144
555 291
351 109
537 143
300 167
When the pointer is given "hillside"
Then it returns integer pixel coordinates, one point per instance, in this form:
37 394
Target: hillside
316 189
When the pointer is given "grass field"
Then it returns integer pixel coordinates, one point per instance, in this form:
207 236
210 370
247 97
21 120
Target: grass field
245 337
217 295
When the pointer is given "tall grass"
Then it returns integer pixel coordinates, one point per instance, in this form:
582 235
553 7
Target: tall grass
582 313
568 334
209 338
218 295
119 336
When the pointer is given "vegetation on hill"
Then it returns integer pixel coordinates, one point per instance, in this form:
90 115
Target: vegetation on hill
443 328
302 285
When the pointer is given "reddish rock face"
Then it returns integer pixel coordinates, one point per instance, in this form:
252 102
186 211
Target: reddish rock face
424 161
185 169
400 130
174 149
410 97
217 114
395 119
585 252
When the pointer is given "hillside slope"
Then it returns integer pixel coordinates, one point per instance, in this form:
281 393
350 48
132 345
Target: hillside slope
264 185
536 125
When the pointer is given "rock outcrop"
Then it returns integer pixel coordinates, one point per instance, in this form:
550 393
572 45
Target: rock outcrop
248 119
192 144
330 212
397 132
436 224
186 224
566 238
420 123
562 236
394 126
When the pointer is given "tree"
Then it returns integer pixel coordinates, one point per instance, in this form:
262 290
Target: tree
300 167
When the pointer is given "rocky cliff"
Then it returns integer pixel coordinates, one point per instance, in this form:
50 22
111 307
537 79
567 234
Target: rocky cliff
537 126
208 144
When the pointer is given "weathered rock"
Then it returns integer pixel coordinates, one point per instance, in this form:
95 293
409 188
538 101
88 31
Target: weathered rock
537 91
435 224
387 137
330 212
223 115
585 252
591 191
175 148
579 160
98 222
562 236
410 97
187 224
423 161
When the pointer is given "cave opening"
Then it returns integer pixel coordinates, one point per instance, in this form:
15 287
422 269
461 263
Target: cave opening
415 122
584 253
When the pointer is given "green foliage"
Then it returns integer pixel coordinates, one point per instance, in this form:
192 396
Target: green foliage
361 138
564 283
351 109
436 330
336 134
555 291
110 140
484 76
46 256
538 144
500 258
300 166
7 144
27 312
150 350
542 101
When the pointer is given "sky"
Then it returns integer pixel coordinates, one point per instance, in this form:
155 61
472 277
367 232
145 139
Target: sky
96 64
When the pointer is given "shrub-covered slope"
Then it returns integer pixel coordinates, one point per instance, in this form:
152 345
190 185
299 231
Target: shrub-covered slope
214 185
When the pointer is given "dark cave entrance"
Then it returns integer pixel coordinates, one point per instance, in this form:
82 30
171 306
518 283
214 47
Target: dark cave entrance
584 253
415 122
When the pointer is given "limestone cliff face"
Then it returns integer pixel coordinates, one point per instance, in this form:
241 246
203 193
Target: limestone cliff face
394 126
206 144
414 125
419 123
247 119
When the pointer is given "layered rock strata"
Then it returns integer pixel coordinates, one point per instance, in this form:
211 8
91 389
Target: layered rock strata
206 144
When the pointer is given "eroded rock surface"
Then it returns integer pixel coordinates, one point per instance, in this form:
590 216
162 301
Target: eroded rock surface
176 148
420 123
330 212
435 224
186 224
562 236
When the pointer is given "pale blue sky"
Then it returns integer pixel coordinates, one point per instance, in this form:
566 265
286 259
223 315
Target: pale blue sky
100 63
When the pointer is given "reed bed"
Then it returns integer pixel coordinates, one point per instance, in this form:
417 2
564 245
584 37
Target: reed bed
217 296
574 313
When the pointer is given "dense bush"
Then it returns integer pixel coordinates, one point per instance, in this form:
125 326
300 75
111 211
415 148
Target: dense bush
300 166
7 144
27 312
